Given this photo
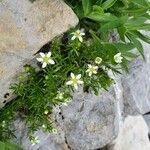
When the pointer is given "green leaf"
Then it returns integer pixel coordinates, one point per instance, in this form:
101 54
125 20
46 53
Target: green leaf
2 146
137 43
124 46
110 25
102 17
125 65
129 54
79 11
87 6
141 36
114 24
9 146
98 9
125 2
135 11
122 30
108 3
140 27
135 22
142 3
96 40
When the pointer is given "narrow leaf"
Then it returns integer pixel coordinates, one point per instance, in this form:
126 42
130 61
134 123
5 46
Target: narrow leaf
122 31
124 47
87 6
101 17
110 25
137 43
140 2
108 3
96 39
143 37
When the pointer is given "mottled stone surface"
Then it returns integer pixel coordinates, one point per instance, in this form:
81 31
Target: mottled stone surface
136 85
47 141
88 122
133 135
24 28
147 120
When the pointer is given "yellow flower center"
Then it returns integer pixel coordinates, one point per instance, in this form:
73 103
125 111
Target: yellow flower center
92 69
45 59
75 81
77 34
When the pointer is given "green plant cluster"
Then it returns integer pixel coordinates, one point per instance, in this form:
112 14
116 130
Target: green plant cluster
9 146
81 57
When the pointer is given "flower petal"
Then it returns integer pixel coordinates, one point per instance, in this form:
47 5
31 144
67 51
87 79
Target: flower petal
51 61
69 82
95 72
42 54
40 59
44 65
80 39
95 67
89 65
49 54
90 73
80 82
73 38
87 70
78 76
72 75
82 33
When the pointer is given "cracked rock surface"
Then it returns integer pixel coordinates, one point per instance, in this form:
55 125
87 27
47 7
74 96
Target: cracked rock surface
136 85
133 135
87 123
90 122
24 28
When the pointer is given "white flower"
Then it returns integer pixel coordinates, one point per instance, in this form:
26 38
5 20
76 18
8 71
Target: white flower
92 69
60 95
54 131
35 141
78 34
148 12
75 80
118 58
44 126
98 60
46 59
46 112
3 124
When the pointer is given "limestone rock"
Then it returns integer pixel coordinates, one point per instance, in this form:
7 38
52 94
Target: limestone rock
133 135
46 141
24 28
136 86
147 120
88 122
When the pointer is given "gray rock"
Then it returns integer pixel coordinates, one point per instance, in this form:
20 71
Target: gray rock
136 86
47 141
88 122
147 120
25 27
133 135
